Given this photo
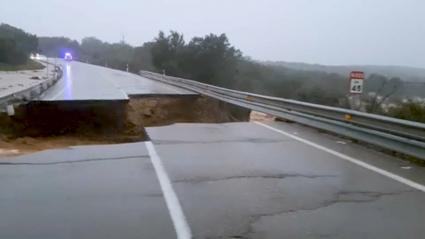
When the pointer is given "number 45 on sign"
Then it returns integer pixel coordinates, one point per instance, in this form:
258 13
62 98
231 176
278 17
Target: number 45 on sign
356 82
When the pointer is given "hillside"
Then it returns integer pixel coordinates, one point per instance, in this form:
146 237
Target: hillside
404 72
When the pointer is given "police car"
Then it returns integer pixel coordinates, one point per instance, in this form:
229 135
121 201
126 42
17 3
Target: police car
68 56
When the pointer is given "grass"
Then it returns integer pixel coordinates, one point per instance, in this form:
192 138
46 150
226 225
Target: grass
30 65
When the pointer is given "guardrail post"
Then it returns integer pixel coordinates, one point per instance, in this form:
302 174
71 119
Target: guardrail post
47 68
10 110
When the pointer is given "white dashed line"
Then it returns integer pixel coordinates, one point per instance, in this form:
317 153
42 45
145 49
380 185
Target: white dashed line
176 212
350 159
118 87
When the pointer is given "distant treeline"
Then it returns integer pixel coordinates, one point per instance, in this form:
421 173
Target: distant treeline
212 59
16 45
414 74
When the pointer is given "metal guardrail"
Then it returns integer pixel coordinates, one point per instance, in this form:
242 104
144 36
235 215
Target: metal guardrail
30 93
397 135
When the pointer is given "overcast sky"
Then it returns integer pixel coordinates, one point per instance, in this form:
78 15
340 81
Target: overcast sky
384 32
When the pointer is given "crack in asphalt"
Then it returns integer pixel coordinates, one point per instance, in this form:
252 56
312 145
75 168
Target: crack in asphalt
74 161
374 197
270 176
227 237
253 140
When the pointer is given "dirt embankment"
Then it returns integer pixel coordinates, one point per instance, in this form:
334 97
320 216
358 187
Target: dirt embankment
258 116
159 111
48 125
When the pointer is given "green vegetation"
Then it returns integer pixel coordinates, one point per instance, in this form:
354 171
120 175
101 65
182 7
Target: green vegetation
408 73
388 90
57 46
15 46
408 111
29 65
212 59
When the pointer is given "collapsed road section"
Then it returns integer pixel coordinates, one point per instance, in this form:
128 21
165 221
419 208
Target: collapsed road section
97 105
41 125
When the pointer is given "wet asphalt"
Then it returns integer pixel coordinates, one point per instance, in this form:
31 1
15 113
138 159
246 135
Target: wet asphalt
235 180
83 81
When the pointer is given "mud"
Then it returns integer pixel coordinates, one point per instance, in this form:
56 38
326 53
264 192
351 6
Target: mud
48 125
44 125
26 145
160 111
258 116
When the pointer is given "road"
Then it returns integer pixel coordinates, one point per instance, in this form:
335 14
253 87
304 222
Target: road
235 180
83 81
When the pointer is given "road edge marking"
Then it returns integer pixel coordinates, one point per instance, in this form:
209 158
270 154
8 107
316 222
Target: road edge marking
174 208
385 173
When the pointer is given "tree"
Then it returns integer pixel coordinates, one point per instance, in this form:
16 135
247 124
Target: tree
58 46
166 52
386 89
408 111
142 58
92 50
211 59
16 45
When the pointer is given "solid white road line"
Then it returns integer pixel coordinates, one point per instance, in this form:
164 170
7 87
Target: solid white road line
350 159
176 212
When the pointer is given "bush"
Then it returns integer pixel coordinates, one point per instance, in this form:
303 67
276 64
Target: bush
9 53
409 111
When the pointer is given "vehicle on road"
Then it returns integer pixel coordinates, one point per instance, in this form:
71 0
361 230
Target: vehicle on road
68 57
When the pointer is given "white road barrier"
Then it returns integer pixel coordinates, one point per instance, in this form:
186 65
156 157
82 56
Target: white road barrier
33 91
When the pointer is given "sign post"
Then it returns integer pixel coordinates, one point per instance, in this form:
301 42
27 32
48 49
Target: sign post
356 88
356 82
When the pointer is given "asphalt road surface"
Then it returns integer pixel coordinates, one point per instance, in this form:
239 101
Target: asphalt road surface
236 180
83 81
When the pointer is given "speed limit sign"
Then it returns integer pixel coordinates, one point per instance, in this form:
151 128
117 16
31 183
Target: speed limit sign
356 82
